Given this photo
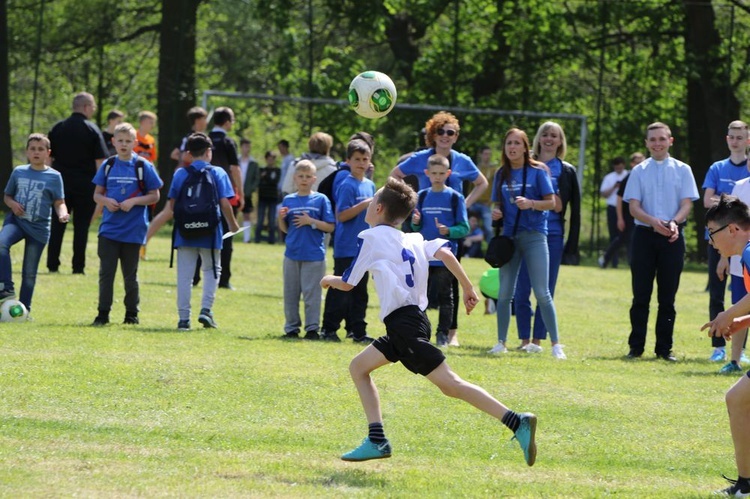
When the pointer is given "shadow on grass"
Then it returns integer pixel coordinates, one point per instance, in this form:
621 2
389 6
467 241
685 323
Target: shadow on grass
355 478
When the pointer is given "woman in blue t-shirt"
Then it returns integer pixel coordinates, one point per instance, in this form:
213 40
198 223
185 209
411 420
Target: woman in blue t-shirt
523 195
550 146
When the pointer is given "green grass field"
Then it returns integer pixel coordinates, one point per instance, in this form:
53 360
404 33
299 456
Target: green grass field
148 411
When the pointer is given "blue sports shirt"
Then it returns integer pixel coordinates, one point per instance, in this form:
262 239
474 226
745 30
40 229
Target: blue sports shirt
304 243
121 184
350 192
36 191
462 168
538 185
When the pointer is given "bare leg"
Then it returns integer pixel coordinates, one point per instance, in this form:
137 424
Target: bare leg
453 386
738 405
360 368
738 341
453 338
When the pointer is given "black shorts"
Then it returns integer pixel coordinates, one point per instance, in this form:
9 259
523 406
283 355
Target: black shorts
248 208
407 340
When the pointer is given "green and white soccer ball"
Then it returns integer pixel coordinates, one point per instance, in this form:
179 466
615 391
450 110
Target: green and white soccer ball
372 94
13 311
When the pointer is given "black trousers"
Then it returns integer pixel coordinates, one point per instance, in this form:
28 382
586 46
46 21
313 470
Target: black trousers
128 254
716 291
81 206
346 305
654 257
226 253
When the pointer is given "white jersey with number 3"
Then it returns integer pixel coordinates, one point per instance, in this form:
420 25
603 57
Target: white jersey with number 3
398 263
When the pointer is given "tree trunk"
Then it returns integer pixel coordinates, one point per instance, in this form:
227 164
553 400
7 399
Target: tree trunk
711 100
176 86
6 150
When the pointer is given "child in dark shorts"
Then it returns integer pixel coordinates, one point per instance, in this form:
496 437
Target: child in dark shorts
399 265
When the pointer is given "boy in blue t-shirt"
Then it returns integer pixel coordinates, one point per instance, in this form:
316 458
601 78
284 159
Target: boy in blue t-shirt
31 193
305 217
126 185
352 199
441 213
208 248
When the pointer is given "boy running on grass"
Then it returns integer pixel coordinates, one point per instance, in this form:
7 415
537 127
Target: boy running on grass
399 264
728 227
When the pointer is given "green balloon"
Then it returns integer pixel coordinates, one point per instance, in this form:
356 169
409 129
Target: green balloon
489 283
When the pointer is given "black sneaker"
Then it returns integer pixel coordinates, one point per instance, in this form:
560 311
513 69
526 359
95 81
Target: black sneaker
7 294
183 325
100 320
312 335
330 336
634 354
131 319
363 339
294 335
206 318
349 334
737 489
669 357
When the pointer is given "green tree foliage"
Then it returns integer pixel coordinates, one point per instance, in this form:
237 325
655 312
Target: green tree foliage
621 64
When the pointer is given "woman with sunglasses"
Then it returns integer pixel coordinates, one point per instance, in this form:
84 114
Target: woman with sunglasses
550 146
442 131
523 196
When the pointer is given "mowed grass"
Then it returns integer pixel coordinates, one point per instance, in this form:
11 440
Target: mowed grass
149 411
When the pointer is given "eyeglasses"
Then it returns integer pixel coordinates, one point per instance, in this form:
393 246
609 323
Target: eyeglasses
449 133
711 233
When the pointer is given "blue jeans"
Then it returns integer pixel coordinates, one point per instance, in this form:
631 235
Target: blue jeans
266 209
523 292
532 247
10 235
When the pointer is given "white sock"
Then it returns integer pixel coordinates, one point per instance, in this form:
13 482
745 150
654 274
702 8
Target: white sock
246 234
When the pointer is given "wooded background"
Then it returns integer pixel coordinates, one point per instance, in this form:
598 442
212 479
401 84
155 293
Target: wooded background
620 63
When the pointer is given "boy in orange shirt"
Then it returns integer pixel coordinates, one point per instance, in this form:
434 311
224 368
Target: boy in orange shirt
145 146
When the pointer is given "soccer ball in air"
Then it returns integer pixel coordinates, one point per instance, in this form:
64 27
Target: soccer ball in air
372 94
13 311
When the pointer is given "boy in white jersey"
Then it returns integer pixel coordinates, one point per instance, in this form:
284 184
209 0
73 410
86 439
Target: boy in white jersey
399 265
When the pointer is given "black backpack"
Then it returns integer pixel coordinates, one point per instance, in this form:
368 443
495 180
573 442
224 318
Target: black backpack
196 207
326 186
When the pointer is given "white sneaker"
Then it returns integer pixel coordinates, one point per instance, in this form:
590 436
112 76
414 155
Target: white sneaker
533 348
557 352
499 348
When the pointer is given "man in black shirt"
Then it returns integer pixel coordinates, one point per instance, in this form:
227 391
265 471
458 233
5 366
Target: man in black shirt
78 149
225 156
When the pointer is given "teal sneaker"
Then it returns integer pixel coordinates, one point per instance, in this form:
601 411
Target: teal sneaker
730 368
525 435
368 450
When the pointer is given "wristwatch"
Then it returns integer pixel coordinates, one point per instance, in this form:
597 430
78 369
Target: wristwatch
313 226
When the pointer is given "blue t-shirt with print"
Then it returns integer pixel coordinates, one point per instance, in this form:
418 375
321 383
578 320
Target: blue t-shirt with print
304 243
225 190
120 184
722 175
351 192
36 191
439 205
555 224
538 185
462 168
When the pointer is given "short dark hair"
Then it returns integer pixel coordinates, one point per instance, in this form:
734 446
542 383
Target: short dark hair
369 140
243 140
398 200
223 115
269 154
619 160
357 145
729 210
114 114
38 137
194 113
198 143
283 142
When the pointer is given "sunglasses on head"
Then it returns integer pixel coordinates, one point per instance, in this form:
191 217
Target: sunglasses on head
449 133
